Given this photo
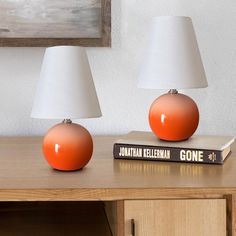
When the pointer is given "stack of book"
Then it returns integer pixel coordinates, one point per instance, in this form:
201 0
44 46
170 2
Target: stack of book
140 145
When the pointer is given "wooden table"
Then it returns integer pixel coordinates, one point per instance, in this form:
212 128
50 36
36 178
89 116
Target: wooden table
140 197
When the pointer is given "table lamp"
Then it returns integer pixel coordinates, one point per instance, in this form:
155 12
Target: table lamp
66 91
172 61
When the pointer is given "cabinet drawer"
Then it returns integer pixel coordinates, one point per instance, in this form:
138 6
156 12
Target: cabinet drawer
175 217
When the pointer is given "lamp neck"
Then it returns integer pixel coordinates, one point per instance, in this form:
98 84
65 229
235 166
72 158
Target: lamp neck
67 121
173 91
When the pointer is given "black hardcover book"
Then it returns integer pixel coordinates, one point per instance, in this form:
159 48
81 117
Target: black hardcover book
139 145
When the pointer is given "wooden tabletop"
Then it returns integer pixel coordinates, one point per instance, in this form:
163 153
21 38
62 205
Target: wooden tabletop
25 175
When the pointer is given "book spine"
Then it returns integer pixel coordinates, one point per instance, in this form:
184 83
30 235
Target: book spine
140 152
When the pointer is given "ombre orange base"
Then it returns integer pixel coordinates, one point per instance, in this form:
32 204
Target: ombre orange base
68 147
173 117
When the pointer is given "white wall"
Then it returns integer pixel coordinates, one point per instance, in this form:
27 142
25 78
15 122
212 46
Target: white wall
115 71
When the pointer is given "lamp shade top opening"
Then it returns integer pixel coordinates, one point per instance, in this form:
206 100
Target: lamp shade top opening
65 88
172 59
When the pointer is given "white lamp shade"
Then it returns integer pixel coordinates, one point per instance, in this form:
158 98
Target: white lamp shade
172 59
65 89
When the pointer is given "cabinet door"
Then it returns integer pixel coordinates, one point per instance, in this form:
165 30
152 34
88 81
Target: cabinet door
175 217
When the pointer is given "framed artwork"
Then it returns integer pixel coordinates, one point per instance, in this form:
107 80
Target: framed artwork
44 23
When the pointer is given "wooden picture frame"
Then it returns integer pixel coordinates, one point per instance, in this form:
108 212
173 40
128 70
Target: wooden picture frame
103 41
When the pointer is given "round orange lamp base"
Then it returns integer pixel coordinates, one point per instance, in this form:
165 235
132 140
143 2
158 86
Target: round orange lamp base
173 117
68 147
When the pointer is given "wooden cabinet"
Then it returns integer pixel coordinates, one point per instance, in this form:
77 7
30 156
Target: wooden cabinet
175 217
140 197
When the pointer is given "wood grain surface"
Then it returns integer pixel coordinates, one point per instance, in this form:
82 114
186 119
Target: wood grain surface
231 214
115 215
103 40
176 217
25 175
50 19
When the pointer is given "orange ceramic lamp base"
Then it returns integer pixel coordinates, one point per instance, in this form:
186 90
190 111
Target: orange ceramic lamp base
68 147
173 117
